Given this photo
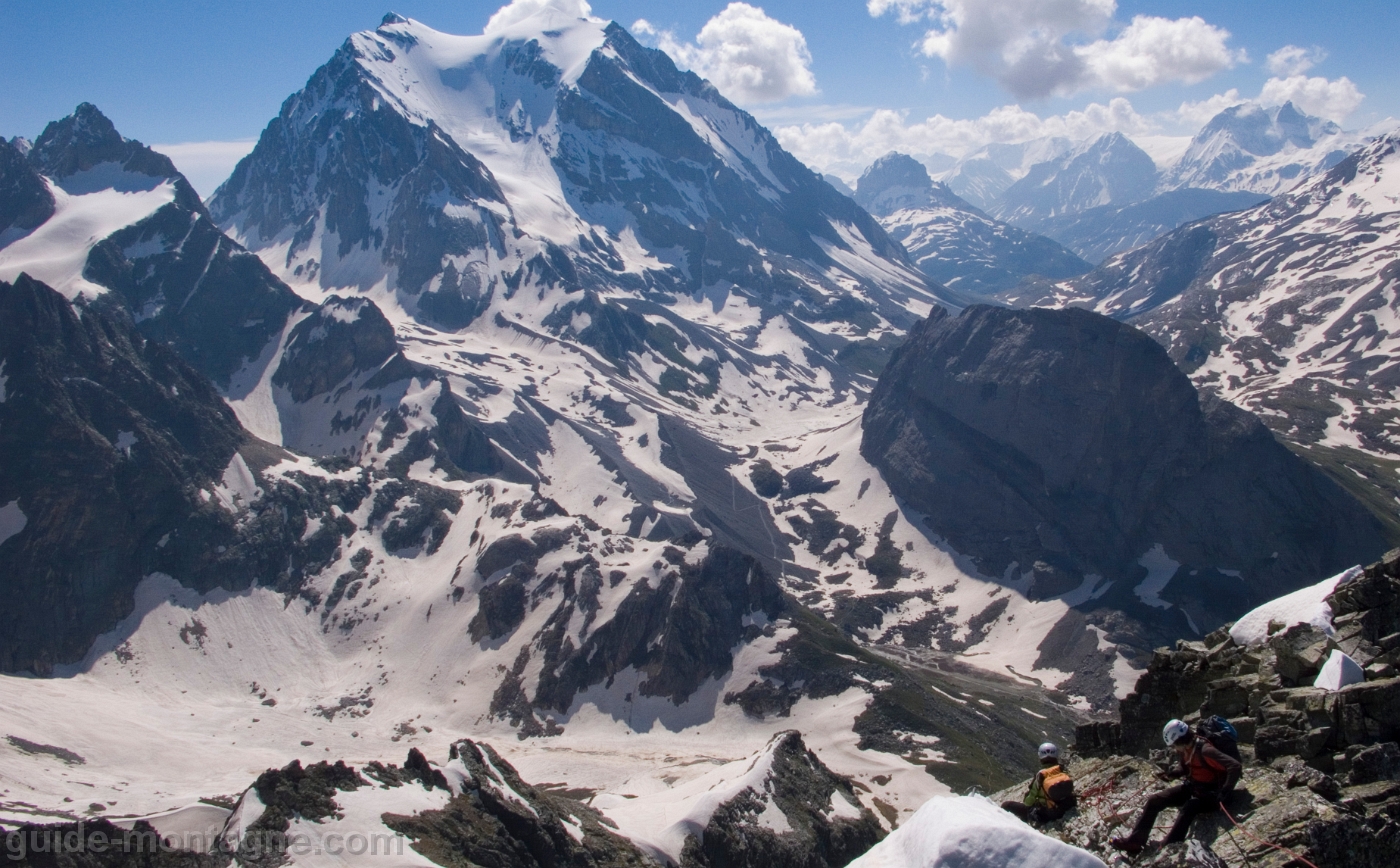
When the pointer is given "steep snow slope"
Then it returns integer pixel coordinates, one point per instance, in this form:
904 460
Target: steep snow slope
1251 148
558 152
553 355
1109 170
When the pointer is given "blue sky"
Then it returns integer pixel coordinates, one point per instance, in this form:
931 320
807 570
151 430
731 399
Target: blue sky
190 71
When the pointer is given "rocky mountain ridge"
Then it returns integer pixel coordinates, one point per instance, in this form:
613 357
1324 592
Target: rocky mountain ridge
1106 195
955 244
1282 309
505 461
1064 450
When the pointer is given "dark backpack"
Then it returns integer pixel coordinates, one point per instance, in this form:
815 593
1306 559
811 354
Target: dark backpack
1222 736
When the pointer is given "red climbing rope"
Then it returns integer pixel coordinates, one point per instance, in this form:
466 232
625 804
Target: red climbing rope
1253 837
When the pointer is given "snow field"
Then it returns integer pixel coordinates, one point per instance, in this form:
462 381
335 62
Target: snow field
971 832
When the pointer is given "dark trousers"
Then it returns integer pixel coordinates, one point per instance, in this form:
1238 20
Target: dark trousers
1035 814
1179 796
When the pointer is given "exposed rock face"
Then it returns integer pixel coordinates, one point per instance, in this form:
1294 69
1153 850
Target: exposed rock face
86 140
25 200
951 241
1269 688
678 630
186 283
1062 444
1278 803
1315 355
821 832
409 190
104 438
496 820
1322 770
120 460
343 338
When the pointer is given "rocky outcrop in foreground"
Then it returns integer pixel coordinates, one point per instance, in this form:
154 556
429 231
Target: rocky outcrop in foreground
1322 771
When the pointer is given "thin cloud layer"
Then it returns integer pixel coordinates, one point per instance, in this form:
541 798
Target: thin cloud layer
749 56
1038 48
518 10
206 165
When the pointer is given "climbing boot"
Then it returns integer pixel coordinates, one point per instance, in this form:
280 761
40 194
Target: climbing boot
1127 845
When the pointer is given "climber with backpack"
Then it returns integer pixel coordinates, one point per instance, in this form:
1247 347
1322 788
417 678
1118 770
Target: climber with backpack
1211 774
1051 791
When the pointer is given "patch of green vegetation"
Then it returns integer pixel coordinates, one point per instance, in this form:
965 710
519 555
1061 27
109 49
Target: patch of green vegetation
1370 479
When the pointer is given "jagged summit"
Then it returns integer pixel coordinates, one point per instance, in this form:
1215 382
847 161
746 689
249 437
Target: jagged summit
556 153
85 141
897 181
1260 149
953 242
1109 170
392 18
79 183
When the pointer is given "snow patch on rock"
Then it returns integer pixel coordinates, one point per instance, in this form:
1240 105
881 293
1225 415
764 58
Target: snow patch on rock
1305 606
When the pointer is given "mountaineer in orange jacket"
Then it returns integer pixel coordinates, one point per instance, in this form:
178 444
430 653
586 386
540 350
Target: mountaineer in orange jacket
1210 773
1051 791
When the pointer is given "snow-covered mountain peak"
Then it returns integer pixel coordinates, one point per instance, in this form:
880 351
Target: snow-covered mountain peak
553 153
1261 149
896 182
1369 178
77 184
84 153
1107 170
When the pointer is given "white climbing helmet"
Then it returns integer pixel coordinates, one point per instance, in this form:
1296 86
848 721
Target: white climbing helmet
1175 731
1049 750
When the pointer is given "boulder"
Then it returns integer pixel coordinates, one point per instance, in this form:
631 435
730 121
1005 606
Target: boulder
1379 762
1300 652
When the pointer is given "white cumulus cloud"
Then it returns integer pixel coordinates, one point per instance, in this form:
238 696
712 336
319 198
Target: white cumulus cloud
846 150
1292 60
1333 99
749 56
1195 115
1038 48
1152 51
518 10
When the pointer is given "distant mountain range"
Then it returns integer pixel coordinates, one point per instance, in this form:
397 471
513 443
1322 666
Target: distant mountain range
953 242
1107 195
